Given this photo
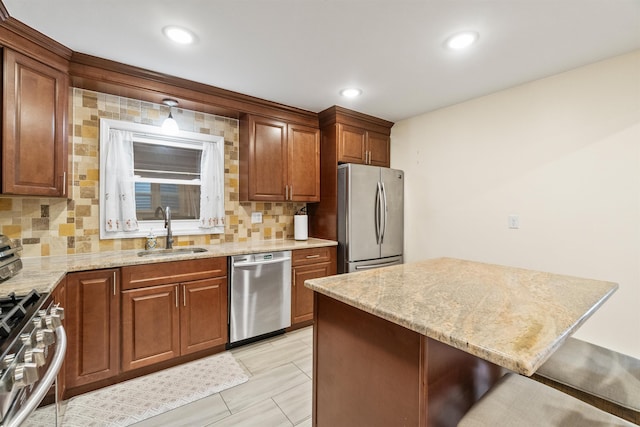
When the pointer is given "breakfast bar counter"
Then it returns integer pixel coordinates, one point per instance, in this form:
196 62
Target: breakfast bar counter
419 343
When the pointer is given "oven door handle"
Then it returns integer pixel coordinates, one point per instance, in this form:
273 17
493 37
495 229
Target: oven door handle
45 383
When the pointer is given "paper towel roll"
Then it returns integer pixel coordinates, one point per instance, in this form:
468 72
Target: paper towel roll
300 229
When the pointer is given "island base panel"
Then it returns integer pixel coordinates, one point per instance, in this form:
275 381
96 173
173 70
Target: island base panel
369 371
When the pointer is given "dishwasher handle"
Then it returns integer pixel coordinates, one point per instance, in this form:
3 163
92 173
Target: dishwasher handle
263 262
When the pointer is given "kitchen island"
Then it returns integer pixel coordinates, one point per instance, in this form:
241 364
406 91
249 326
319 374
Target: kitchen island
418 344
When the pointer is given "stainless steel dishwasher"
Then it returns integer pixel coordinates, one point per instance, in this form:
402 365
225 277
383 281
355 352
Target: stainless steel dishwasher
259 295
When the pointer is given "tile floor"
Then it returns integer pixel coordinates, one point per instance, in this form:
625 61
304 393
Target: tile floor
278 392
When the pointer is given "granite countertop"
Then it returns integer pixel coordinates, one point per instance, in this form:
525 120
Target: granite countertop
44 273
512 317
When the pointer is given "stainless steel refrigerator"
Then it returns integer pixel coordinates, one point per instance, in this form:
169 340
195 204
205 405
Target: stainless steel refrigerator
370 217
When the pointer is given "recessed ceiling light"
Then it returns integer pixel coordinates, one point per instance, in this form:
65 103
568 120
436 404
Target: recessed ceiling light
179 35
351 92
461 40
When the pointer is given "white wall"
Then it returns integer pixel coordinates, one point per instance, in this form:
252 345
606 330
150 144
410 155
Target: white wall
563 153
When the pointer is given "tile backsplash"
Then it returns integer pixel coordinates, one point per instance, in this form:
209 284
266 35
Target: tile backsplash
51 226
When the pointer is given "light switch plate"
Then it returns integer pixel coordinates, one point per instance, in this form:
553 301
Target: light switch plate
256 217
514 221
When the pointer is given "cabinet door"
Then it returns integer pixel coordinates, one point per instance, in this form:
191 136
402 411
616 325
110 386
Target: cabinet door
267 160
351 144
304 163
93 326
302 297
379 148
203 314
150 326
34 155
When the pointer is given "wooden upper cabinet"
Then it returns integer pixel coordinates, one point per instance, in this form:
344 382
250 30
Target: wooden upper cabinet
352 145
379 146
34 134
278 161
362 146
304 163
268 159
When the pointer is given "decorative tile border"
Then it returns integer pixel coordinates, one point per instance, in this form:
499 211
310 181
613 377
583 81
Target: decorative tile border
49 226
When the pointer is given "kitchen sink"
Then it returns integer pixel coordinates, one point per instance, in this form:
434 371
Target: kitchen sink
176 251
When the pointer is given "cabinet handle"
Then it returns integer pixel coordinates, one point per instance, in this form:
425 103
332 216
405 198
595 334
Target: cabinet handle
291 192
64 183
114 283
313 256
184 295
176 297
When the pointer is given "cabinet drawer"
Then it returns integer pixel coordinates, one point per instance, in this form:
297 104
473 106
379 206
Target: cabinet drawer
311 256
141 276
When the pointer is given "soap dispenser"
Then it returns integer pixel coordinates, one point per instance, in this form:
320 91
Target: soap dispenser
151 241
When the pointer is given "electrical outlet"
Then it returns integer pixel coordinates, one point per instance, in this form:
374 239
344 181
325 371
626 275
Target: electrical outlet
514 221
256 217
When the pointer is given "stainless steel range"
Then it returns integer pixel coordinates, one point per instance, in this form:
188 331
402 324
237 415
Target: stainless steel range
32 350
32 346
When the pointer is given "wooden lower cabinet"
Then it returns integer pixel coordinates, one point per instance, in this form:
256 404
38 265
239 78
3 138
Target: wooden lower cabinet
308 264
92 318
150 326
168 319
201 326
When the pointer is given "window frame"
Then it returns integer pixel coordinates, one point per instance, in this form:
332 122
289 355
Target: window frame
157 136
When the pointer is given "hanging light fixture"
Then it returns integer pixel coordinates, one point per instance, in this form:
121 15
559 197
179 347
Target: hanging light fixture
170 125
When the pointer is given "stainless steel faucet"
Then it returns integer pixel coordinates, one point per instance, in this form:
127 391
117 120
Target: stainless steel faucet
166 215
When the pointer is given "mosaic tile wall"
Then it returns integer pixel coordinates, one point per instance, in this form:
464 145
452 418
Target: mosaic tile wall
50 226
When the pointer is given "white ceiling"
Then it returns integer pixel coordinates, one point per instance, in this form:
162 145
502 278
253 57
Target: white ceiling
302 52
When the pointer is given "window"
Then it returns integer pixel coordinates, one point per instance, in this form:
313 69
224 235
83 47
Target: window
142 169
177 186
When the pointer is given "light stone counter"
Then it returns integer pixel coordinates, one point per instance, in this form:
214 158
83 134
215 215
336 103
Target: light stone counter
44 273
512 317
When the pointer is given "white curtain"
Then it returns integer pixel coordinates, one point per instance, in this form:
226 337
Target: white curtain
120 203
212 187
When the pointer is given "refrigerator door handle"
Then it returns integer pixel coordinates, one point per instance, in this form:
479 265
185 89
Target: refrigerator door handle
384 213
377 213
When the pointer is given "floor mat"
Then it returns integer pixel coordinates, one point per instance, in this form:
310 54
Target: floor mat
138 399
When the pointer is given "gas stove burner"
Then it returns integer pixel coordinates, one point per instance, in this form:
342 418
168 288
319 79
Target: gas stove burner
16 310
